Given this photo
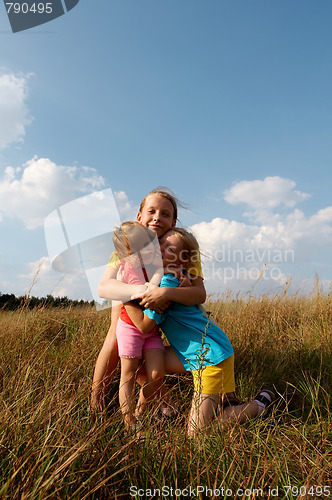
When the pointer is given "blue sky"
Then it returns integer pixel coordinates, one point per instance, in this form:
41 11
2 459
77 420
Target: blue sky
227 103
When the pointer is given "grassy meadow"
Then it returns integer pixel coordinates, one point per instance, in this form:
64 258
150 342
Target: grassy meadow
51 449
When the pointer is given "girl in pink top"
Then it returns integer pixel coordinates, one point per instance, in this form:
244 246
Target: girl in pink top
141 262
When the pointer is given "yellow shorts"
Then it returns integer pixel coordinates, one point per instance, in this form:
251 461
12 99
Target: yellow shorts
215 379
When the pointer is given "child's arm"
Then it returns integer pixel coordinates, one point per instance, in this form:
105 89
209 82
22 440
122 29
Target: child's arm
113 289
158 298
142 322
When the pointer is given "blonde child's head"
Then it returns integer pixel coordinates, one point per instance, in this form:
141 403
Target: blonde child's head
158 211
164 193
180 248
131 237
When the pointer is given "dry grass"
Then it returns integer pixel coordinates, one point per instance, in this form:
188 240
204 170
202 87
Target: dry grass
50 448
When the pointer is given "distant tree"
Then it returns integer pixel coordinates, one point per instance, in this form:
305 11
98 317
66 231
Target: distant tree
10 302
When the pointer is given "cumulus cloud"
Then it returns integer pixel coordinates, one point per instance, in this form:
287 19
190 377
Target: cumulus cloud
240 257
14 113
265 194
236 253
127 209
32 191
222 240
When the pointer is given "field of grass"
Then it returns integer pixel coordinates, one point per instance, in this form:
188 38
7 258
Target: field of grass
51 449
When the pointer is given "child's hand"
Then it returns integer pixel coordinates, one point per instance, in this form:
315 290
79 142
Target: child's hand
185 281
140 290
156 299
178 272
147 288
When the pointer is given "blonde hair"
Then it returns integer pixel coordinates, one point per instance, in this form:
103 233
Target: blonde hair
130 238
165 193
190 252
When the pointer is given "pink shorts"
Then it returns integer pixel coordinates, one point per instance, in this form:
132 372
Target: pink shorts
132 342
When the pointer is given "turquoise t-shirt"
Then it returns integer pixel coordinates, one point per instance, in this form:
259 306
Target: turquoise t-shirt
195 339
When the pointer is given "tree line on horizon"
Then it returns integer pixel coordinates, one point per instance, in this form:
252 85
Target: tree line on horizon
9 302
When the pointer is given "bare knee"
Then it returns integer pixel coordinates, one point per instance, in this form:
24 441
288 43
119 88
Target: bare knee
155 375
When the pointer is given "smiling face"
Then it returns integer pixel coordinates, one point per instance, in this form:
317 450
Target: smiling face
157 214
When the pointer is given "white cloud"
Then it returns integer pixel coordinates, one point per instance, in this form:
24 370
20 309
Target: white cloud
323 215
127 209
33 191
211 235
303 235
278 241
265 194
235 253
14 114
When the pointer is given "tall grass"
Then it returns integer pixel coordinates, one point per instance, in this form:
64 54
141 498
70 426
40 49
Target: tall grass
51 448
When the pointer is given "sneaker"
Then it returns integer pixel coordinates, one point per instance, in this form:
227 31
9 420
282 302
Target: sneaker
269 405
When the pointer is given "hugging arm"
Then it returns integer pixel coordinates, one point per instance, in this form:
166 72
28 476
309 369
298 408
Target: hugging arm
159 298
112 288
137 316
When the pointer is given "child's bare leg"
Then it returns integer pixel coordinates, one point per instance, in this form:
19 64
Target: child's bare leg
167 404
229 399
172 365
243 412
202 413
155 371
238 414
106 365
129 368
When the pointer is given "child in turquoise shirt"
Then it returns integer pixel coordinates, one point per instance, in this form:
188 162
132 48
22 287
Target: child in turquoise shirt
198 345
